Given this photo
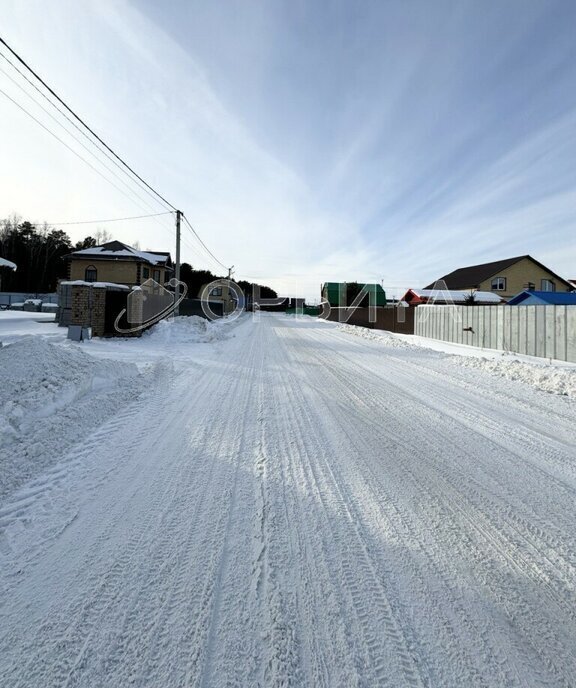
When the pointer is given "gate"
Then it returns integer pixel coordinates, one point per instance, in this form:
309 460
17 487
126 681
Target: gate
116 301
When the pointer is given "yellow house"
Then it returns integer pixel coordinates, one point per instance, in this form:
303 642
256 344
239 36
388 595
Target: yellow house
506 277
118 263
219 291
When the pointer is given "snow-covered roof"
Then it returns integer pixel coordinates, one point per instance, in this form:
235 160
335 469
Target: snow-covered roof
7 264
116 249
456 295
96 285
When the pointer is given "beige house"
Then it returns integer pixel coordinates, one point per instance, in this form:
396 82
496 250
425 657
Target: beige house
506 278
219 292
118 263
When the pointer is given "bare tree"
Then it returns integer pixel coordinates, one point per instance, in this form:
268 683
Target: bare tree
8 224
102 236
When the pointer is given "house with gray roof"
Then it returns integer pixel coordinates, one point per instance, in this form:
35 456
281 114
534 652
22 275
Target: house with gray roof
119 263
506 277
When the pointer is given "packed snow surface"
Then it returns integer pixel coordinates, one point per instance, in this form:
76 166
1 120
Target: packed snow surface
49 393
16 324
556 378
299 507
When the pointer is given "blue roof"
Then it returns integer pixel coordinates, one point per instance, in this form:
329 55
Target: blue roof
543 298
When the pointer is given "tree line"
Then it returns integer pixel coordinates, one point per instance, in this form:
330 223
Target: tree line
39 251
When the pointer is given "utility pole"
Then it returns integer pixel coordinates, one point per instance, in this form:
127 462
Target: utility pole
177 267
230 272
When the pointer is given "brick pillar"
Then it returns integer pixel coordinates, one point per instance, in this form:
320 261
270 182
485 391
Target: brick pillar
98 312
89 308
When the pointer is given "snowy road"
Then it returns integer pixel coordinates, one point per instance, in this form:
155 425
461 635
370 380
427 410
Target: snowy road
307 508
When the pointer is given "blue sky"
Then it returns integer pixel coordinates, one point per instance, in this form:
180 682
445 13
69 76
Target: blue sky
313 141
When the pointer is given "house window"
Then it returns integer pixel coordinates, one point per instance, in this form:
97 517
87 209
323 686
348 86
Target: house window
157 276
548 285
91 274
499 284
145 273
217 291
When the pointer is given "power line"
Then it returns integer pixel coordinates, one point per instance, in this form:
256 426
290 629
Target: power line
114 219
73 123
198 256
202 256
101 174
21 107
203 244
88 150
83 123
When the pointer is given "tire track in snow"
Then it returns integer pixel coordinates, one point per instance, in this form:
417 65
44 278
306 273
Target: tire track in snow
110 590
387 660
290 524
351 383
490 430
277 590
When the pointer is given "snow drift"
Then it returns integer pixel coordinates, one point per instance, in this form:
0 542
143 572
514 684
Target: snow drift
50 397
547 378
186 330
555 379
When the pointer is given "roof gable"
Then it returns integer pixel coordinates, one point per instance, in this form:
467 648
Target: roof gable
473 275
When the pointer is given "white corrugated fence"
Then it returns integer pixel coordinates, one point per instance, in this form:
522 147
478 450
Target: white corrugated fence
546 331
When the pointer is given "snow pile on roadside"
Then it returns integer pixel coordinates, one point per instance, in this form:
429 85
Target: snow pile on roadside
547 378
50 397
382 336
187 329
39 379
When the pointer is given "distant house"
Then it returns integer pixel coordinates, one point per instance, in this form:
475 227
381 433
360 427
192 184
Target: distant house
100 280
543 298
506 277
341 294
115 262
8 265
219 292
417 297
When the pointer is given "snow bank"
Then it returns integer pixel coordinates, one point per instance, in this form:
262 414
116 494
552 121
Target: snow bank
552 378
548 378
50 397
381 336
187 329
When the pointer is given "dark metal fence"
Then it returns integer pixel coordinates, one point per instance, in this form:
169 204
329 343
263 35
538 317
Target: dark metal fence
194 307
393 319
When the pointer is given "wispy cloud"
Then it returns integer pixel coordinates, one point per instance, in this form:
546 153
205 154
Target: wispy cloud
315 141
